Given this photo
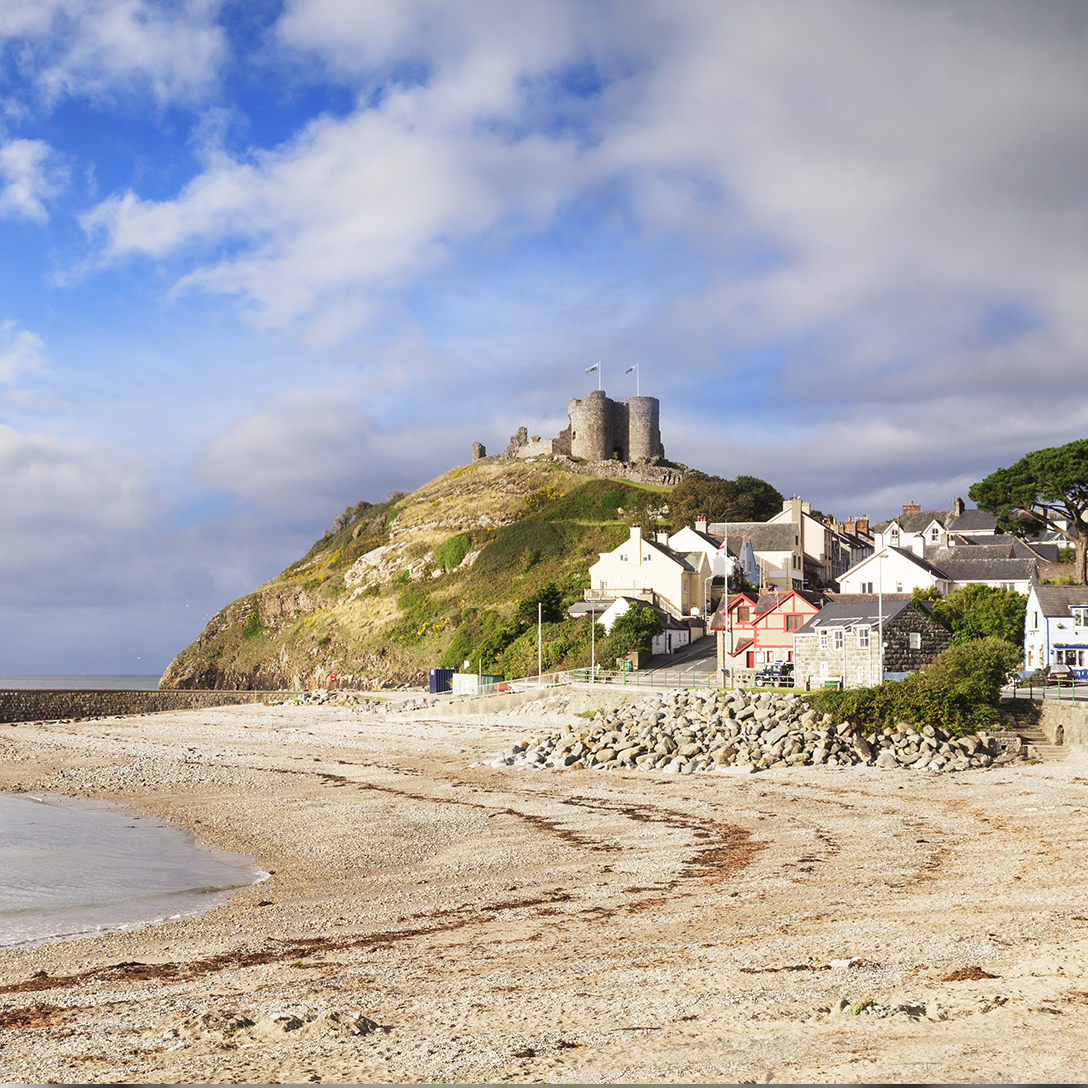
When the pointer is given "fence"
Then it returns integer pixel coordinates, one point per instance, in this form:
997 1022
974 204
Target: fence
1061 690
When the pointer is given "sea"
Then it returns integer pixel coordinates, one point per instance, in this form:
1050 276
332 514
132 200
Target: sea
67 682
76 868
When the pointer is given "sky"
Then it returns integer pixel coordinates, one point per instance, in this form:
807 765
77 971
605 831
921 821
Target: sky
259 261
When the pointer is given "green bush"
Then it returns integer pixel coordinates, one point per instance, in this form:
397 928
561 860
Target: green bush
957 692
551 601
633 630
450 553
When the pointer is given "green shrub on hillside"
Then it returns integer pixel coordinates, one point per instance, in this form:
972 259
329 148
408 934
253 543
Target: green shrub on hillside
450 553
957 692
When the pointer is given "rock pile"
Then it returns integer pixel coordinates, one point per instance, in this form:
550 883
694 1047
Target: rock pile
741 732
363 702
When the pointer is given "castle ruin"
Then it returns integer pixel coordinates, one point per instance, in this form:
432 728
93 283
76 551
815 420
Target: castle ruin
598 429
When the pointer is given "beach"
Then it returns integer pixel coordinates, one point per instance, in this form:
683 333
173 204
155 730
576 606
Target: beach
429 920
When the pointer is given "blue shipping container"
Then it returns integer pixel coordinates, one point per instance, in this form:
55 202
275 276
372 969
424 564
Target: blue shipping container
440 680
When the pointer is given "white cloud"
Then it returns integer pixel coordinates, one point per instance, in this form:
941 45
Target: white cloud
306 454
97 47
29 175
20 350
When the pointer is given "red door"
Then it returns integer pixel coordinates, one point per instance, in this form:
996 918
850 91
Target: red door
751 660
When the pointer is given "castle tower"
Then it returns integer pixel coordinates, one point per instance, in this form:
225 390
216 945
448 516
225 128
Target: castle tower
592 426
643 429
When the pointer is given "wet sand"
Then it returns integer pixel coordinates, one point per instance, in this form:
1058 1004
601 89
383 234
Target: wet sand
431 921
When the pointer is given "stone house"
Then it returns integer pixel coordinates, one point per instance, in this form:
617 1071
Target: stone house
842 641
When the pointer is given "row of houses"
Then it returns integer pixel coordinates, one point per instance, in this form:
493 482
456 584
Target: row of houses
831 597
854 639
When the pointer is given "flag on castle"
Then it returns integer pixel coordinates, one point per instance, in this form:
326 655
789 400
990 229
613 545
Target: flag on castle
595 366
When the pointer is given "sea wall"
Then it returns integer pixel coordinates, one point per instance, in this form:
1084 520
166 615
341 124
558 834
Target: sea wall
30 705
1064 723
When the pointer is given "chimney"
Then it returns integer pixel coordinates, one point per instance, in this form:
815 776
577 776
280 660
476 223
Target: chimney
918 546
911 508
700 523
863 525
850 527
662 537
957 507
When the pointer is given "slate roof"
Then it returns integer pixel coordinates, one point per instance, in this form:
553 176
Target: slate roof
860 609
961 552
1021 549
1057 600
688 560
915 521
769 601
988 570
764 536
925 564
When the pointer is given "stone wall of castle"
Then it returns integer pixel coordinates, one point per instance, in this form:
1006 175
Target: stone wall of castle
599 429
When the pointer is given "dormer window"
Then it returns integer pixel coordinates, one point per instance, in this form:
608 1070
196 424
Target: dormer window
934 534
1080 617
895 536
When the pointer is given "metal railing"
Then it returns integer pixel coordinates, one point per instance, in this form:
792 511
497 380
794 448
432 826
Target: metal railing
1062 690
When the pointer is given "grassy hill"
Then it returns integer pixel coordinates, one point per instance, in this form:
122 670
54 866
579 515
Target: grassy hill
427 579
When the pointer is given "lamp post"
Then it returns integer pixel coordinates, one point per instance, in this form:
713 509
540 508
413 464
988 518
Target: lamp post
539 644
880 617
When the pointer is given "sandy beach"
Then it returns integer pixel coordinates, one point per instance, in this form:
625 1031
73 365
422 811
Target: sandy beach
427 920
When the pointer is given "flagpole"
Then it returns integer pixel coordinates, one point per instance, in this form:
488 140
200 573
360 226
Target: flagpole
598 375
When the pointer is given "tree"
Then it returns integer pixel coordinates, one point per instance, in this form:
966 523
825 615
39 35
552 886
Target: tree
979 611
551 600
633 630
746 498
1041 488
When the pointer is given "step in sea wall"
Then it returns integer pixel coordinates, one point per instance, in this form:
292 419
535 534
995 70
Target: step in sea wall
34 705
1064 723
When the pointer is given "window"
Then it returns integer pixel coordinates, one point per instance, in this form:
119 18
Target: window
793 623
646 558
898 587
915 640
839 639
863 638
744 615
823 639
895 536
866 587
1070 657
623 558
1080 617
759 657
934 534
1035 621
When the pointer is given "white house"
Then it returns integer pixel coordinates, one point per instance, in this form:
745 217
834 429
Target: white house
916 527
891 570
648 570
899 570
1056 628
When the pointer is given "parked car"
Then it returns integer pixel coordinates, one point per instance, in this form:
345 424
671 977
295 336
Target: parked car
1059 674
778 675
